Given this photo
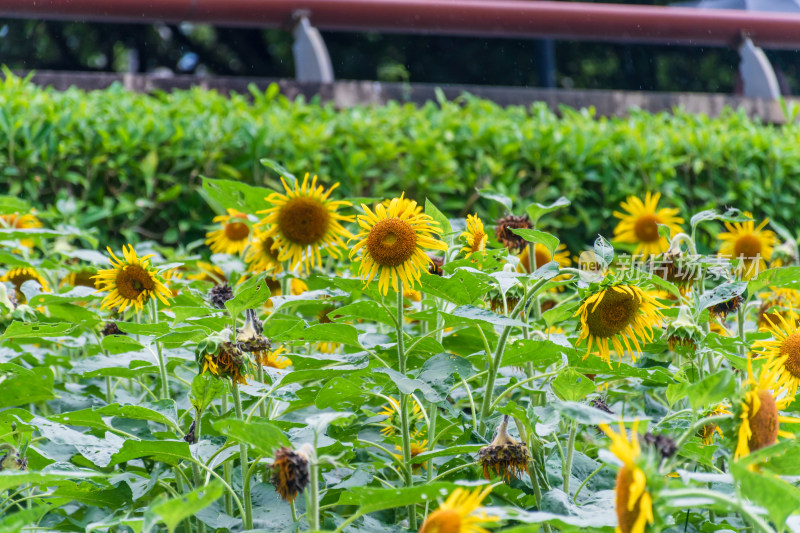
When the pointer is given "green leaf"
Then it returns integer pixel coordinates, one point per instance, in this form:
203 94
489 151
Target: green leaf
720 293
12 479
468 314
408 385
341 333
26 389
170 452
730 215
264 437
779 278
173 512
535 236
572 386
559 313
433 212
116 344
463 287
279 169
205 388
36 330
584 414
438 372
536 211
778 497
251 294
502 199
468 449
603 250
712 389
341 393
227 194
371 499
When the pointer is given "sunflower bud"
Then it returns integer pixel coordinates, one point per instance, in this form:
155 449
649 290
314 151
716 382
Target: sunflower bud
290 472
249 337
219 294
505 456
683 331
508 238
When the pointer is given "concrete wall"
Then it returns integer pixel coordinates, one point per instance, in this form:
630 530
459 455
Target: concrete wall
350 93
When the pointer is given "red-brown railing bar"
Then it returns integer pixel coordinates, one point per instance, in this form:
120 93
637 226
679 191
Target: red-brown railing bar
491 18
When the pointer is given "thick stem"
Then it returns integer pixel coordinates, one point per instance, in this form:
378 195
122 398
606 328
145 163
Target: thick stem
226 468
109 391
405 429
740 325
247 520
162 363
312 513
567 474
434 412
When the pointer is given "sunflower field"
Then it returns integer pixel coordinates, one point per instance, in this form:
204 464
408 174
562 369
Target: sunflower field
323 362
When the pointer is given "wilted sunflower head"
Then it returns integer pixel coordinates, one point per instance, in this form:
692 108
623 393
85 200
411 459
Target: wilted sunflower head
222 358
634 503
748 242
219 294
262 254
683 332
475 236
132 282
639 224
249 337
508 238
677 269
303 221
289 472
505 456
758 411
18 276
392 243
722 309
459 513
618 314
111 328
232 235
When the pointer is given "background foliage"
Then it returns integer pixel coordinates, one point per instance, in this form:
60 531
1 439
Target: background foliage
136 160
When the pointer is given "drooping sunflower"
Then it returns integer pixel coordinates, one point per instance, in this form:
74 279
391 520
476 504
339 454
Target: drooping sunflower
639 224
262 254
132 282
782 353
634 503
393 242
16 221
759 411
748 242
475 236
459 513
392 414
232 236
226 361
542 256
304 221
18 276
615 315
505 456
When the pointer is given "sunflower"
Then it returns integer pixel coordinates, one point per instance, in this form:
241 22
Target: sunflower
639 224
262 254
81 278
475 237
781 303
289 472
458 513
210 272
392 412
304 221
226 361
392 243
131 282
782 354
759 411
542 257
15 221
18 276
748 242
232 236
417 447
634 503
618 314
707 432
274 358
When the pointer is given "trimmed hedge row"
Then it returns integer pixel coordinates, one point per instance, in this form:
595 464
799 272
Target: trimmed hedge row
130 164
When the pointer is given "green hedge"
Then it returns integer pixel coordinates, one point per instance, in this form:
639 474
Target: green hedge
134 161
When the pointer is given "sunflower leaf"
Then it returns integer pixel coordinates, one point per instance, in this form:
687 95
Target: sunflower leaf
264 437
432 211
777 496
536 211
173 512
497 197
547 240
720 293
730 215
251 294
603 250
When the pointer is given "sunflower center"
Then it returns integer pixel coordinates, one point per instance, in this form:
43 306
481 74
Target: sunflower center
21 278
626 518
266 246
237 231
747 246
646 228
764 423
442 521
391 242
791 348
303 221
132 281
614 313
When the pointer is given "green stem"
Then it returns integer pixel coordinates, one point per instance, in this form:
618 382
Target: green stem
404 398
567 474
226 467
109 391
247 519
740 326
431 432
162 363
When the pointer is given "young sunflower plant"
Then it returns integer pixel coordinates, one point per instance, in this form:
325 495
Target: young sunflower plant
323 367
